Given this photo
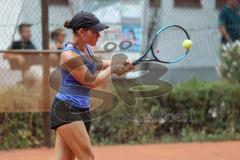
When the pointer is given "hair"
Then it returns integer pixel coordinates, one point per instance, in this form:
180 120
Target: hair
22 25
67 24
56 33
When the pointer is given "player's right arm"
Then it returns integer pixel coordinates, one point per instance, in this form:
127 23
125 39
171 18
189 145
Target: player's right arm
74 64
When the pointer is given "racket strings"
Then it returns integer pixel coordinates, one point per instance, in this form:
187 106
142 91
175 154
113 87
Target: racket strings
167 45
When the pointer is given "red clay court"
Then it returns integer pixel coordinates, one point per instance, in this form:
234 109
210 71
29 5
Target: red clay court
179 151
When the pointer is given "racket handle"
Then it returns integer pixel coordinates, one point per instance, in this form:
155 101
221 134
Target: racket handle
123 71
136 62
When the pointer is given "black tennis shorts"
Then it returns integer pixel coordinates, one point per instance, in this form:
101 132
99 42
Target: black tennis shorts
63 112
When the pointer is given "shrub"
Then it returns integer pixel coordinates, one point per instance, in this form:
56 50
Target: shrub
212 110
230 56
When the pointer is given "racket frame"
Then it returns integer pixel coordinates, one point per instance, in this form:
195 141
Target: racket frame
151 49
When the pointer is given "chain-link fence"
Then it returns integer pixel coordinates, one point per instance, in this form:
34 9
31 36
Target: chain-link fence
132 20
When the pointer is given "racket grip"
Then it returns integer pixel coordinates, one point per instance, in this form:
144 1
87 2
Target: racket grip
127 69
136 62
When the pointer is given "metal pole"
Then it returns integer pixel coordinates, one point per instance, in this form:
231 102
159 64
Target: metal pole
45 65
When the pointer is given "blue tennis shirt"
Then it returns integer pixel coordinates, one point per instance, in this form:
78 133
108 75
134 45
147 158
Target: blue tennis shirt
70 89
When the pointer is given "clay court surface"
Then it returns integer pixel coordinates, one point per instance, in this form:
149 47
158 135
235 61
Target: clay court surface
179 151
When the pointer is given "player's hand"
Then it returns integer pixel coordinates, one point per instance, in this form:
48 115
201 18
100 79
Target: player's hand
127 67
120 62
127 63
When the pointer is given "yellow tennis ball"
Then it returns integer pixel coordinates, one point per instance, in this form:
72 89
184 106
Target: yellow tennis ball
187 44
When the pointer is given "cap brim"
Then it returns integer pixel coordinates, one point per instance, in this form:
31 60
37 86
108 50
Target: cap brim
99 27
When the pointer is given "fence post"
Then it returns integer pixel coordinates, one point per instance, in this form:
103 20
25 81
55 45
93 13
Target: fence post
46 66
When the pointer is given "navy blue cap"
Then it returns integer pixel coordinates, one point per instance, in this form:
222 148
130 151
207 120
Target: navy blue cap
86 20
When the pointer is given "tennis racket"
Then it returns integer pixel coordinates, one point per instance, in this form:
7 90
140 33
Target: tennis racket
166 46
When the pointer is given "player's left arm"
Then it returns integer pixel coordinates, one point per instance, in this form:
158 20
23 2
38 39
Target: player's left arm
101 63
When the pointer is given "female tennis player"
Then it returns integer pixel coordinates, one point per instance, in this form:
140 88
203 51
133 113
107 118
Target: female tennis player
70 113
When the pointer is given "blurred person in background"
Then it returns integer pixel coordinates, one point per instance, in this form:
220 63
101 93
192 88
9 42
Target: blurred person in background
229 21
21 61
58 37
25 42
